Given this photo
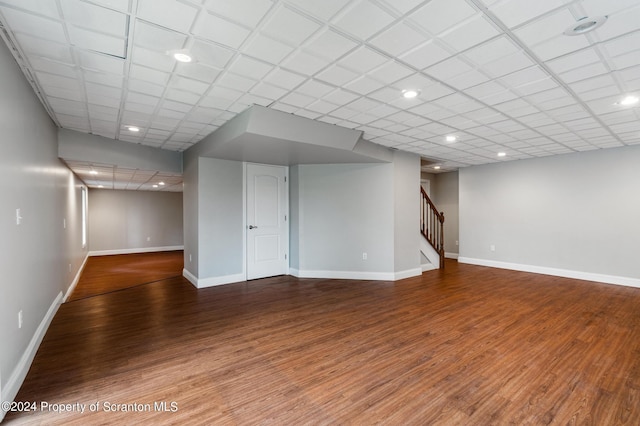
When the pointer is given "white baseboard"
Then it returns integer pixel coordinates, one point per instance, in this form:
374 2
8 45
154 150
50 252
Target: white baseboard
134 250
212 281
74 283
451 255
10 390
428 267
356 275
566 273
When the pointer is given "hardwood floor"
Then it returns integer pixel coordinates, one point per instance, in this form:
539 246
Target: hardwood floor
103 274
466 345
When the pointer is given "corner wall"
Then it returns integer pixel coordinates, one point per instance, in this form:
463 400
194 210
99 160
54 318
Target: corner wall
41 257
572 215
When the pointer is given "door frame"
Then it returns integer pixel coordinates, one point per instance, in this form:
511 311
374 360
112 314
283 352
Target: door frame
245 225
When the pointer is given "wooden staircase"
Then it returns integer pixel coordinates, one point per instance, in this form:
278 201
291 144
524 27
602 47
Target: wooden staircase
432 225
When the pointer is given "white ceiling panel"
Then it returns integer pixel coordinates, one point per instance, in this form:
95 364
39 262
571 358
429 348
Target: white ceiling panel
503 78
173 14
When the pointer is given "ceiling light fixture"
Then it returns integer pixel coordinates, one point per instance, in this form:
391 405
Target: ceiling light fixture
155 186
629 100
100 186
133 129
585 25
409 93
436 168
451 138
182 55
161 183
502 154
93 172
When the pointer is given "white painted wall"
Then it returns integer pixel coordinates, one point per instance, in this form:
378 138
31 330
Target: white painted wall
39 258
560 215
121 221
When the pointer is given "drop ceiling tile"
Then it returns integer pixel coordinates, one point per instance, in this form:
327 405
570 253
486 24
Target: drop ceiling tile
157 38
268 91
72 95
508 64
573 61
145 87
297 99
172 14
290 109
315 89
426 54
364 85
56 51
440 15
97 99
267 49
516 12
588 71
210 54
283 78
470 79
100 62
435 91
340 97
220 97
558 46
330 45
537 86
491 51
246 12
546 28
149 75
304 63
448 69
146 109
182 96
398 39
337 75
42 7
625 61
619 24
151 59
363 60
473 32
53 80
220 30
236 82
351 19
142 99
92 16
249 67
190 85
289 27
391 72
198 72
53 67
593 84
101 43
24 22
322 107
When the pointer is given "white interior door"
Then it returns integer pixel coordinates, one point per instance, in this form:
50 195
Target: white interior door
267 224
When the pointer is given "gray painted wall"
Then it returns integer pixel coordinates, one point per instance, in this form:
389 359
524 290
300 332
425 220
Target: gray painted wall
190 213
345 210
445 196
34 256
220 218
123 220
406 204
576 212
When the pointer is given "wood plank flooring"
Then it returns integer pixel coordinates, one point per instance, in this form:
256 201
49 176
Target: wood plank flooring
468 345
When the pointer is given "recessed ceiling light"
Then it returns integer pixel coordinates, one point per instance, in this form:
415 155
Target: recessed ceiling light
155 186
100 186
629 100
451 138
161 183
409 93
436 167
182 57
93 172
584 25
502 154
133 129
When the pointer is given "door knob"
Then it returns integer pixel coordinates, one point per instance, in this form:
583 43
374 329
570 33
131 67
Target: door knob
252 227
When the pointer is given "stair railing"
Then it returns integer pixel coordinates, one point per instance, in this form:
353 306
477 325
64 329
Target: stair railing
432 225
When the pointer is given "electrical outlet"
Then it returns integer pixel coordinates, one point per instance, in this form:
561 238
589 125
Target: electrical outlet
148 238
457 243
364 256
492 247
18 217
190 257
20 319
